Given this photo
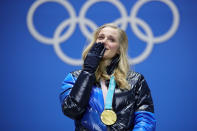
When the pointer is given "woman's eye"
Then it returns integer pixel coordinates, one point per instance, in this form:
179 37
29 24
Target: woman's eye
100 37
112 40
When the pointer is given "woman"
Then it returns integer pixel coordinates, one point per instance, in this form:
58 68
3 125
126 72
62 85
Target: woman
105 95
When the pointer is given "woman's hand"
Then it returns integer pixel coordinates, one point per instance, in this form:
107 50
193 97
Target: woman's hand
93 57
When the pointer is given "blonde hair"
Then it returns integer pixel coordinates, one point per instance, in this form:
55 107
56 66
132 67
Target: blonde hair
122 69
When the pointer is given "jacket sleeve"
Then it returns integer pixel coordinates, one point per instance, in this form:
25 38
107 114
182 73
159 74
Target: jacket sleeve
75 94
144 114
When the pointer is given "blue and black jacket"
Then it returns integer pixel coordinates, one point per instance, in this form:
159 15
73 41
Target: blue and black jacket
82 100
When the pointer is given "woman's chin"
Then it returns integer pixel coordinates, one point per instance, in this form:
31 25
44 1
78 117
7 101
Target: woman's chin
105 57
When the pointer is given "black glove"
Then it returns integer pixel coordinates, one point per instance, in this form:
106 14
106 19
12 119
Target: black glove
93 57
76 103
113 64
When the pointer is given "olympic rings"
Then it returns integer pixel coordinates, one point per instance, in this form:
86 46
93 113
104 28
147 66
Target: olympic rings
123 21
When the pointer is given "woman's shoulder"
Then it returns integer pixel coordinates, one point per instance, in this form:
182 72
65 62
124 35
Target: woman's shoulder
75 73
134 77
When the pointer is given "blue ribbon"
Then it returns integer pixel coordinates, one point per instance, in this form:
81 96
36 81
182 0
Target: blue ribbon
110 93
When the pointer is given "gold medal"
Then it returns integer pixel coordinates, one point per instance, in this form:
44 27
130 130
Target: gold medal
108 117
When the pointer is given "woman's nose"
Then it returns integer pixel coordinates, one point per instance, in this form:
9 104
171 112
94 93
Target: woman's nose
104 41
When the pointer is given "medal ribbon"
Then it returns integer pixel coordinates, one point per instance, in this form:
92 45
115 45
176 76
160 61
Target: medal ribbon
110 93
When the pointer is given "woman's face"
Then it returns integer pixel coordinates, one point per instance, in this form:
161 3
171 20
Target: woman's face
110 38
